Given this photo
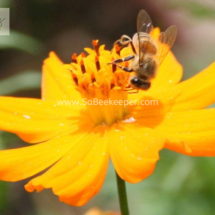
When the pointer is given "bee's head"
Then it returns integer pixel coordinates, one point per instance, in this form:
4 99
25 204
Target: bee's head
140 84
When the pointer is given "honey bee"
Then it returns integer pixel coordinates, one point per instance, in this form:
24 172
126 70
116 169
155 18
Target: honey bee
148 53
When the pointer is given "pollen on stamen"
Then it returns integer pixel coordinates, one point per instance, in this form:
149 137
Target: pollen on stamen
114 67
112 84
93 78
98 67
83 54
96 46
75 79
74 58
83 69
117 48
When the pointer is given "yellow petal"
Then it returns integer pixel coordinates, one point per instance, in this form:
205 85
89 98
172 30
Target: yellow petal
190 132
21 163
36 120
198 91
134 150
57 82
79 175
169 73
149 111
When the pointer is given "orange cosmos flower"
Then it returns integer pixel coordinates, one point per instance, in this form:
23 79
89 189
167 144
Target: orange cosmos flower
73 143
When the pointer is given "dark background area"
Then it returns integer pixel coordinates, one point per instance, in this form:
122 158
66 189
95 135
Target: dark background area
180 184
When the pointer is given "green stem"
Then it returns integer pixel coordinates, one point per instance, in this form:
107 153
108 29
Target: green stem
122 195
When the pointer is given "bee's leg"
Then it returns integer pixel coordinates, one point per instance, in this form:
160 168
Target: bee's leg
115 62
125 38
136 91
129 90
123 42
126 69
123 59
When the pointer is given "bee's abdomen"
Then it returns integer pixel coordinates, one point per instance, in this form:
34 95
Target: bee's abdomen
150 67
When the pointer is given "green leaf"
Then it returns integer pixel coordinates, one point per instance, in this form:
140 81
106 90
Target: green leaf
21 42
26 80
201 10
5 3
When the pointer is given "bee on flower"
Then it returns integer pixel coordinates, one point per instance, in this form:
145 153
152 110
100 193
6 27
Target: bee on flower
71 145
148 52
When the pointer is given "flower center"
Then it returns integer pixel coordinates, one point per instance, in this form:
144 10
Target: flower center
101 84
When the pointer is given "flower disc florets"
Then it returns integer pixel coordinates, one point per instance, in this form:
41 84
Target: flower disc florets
101 84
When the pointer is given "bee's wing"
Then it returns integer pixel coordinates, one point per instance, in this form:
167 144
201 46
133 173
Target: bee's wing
144 22
165 41
144 25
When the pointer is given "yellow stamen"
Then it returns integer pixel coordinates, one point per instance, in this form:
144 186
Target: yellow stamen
101 84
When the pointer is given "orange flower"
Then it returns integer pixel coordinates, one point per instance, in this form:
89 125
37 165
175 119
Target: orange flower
74 141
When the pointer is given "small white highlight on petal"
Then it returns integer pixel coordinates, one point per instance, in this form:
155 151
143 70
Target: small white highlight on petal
129 120
26 116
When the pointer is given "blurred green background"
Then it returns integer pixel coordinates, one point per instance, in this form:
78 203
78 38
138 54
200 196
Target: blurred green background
180 184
